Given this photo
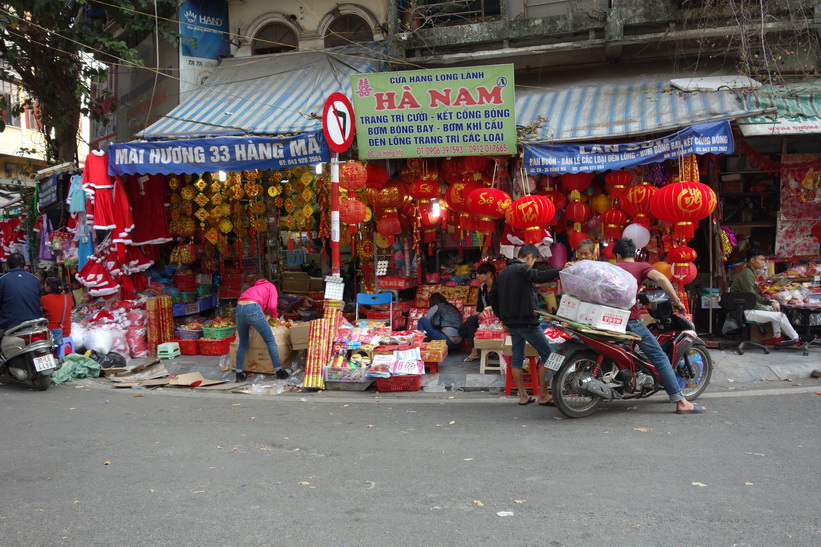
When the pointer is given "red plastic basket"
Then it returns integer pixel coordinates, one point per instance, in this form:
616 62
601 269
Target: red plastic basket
410 382
186 282
187 347
214 347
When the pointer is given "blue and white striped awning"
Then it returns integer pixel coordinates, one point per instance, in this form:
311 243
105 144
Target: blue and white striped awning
602 112
278 94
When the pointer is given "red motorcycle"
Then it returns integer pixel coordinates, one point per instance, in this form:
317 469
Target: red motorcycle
593 366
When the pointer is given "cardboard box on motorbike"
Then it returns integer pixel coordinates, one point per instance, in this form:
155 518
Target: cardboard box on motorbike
603 317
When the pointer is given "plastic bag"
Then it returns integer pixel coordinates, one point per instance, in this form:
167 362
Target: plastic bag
119 342
729 326
109 360
74 367
137 344
137 318
600 283
99 340
78 334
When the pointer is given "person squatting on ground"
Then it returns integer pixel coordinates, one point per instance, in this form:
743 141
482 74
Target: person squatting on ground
625 251
514 300
253 308
486 274
765 311
442 322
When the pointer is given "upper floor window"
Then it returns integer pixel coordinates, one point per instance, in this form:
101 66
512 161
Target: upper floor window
274 38
9 92
346 29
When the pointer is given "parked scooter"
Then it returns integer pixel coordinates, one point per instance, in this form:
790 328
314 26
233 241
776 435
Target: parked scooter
595 367
26 353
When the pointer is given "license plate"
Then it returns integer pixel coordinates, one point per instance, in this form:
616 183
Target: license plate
555 361
45 362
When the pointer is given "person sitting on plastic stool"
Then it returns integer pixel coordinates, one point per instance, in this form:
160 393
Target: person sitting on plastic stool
442 322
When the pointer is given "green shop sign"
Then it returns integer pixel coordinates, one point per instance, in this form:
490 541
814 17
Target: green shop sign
435 113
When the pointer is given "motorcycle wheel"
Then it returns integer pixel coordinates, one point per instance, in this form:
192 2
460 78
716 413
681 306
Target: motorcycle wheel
41 382
568 398
693 371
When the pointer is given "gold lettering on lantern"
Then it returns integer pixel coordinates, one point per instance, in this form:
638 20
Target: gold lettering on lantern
689 200
529 210
485 199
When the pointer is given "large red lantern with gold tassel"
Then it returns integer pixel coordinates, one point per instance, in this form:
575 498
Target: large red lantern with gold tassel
390 197
352 176
637 203
576 183
683 204
613 221
617 182
578 212
456 197
351 213
531 214
424 190
388 227
488 204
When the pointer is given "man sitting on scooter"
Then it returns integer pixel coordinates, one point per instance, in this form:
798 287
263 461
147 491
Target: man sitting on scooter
19 294
625 251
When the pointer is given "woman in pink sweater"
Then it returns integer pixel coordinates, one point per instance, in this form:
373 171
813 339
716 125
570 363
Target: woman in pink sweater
253 308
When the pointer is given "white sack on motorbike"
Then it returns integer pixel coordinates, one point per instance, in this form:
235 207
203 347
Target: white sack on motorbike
600 283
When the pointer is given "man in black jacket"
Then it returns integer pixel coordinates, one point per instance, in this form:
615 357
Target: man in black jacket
514 300
19 294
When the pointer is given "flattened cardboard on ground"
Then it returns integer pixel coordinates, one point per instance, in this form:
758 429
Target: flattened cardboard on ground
143 371
193 379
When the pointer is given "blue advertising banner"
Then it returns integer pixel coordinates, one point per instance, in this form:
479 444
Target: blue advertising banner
193 156
705 138
204 29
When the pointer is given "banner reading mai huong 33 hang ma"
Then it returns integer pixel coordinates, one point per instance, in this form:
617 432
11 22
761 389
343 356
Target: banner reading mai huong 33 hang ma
464 111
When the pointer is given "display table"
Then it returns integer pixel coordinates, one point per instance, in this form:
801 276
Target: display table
806 312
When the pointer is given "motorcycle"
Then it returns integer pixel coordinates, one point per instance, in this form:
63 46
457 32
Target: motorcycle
592 367
26 353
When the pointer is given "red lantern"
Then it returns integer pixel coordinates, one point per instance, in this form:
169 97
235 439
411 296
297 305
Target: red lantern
576 183
488 204
617 182
683 204
577 212
388 227
613 221
559 200
352 176
575 238
377 176
475 164
608 251
351 213
681 257
456 196
390 197
816 231
637 203
531 214
688 277
453 168
424 190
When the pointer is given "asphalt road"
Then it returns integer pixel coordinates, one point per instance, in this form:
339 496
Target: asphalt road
90 465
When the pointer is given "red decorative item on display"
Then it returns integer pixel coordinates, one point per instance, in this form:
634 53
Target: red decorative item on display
377 176
576 183
390 197
488 204
683 204
531 214
453 168
681 257
607 251
617 183
816 231
475 164
424 190
456 196
578 212
352 176
558 199
351 213
575 238
613 221
637 203
388 227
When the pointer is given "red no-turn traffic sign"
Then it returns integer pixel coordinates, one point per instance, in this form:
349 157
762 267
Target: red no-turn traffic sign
338 122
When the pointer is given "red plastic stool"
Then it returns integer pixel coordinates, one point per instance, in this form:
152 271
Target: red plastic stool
531 377
433 366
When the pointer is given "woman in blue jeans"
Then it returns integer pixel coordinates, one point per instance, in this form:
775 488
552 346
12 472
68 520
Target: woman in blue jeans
442 322
253 307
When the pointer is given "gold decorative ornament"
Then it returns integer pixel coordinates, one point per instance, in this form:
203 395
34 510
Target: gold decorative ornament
200 184
189 193
173 183
226 226
201 199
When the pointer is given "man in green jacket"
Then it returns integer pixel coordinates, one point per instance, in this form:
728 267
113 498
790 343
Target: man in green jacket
766 311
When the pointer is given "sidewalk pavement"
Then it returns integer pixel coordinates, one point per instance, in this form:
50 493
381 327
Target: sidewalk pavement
730 370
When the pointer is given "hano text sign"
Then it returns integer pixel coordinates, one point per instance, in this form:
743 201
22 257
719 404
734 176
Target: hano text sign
466 111
705 138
